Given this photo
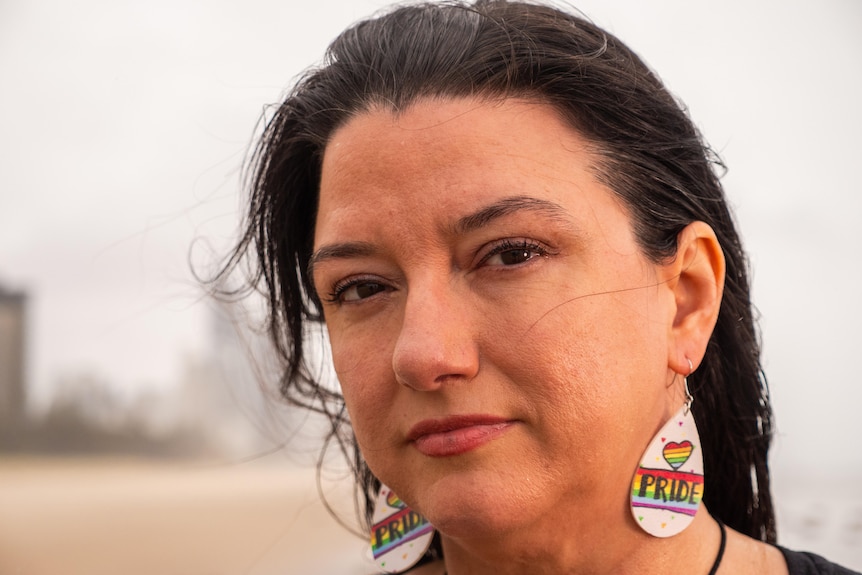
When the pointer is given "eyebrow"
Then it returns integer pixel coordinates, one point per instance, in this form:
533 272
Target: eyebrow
339 251
508 206
466 224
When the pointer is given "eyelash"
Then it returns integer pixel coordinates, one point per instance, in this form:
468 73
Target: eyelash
510 244
336 295
339 288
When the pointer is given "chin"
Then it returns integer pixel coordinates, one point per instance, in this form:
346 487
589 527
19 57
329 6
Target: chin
469 505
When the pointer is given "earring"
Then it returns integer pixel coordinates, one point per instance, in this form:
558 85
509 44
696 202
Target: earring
399 535
667 488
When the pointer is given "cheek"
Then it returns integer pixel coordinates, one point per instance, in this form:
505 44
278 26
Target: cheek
561 361
593 355
366 382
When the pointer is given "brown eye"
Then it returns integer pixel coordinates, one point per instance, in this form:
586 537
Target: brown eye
517 256
360 290
513 252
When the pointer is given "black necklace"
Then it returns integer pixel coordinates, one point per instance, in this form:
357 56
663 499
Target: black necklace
718 557
720 548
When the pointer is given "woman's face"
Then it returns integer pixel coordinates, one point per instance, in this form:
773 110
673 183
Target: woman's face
500 339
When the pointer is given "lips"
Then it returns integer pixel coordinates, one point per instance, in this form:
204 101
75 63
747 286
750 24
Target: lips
455 435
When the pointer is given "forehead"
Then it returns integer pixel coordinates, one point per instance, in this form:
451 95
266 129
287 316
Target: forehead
439 159
452 129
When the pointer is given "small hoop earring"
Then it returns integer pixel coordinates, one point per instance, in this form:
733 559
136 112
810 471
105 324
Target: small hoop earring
689 398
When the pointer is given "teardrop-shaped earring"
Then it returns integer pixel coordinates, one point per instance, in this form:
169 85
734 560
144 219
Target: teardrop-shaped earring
399 535
668 485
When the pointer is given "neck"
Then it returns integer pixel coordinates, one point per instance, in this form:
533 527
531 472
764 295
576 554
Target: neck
598 549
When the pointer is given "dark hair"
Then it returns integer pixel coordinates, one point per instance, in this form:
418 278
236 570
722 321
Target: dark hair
650 155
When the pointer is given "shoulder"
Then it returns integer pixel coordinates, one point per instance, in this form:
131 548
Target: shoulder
801 563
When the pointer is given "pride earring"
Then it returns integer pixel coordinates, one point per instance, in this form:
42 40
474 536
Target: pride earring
668 485
399 536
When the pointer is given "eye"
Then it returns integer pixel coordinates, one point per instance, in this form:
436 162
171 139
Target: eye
512 252
355 289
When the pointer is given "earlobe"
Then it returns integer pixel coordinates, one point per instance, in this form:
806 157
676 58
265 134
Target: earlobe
696 278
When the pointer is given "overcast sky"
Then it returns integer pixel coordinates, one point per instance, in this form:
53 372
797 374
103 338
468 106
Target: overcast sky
123 126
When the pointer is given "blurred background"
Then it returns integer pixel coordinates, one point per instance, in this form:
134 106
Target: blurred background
135 436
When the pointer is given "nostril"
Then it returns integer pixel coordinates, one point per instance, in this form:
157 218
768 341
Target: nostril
435 344
431 360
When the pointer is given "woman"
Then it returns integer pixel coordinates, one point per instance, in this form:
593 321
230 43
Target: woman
535 295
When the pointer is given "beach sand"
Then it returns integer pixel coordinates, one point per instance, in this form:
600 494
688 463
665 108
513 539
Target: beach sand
106 517
113 517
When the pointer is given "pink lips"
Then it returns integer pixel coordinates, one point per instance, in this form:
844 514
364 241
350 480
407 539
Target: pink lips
456 434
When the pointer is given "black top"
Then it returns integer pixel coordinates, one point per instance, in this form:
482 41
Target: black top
800 563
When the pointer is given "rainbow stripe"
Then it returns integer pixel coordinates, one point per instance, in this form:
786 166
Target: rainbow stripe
674 491
397 529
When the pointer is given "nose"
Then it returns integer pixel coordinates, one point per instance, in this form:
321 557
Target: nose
437 342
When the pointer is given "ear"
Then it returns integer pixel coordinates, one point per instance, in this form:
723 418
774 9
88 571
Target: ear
696 279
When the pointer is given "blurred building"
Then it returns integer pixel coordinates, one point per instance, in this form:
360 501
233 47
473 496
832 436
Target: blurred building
12 329
222 393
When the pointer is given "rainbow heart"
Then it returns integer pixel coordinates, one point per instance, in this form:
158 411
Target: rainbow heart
677 453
